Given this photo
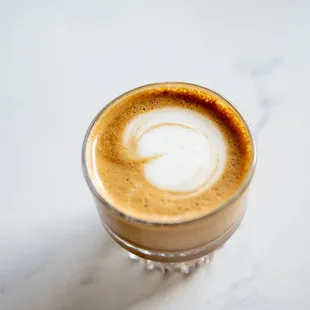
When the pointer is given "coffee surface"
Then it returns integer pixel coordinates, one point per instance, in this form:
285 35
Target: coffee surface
168 153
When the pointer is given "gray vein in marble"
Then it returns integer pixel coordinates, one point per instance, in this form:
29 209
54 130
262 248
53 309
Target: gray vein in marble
9 281
267 67
239 294
143 297
257 73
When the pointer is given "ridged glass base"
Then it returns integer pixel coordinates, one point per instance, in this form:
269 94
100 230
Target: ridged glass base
183 267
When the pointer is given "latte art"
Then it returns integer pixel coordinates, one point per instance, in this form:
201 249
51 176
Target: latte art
167 153
183 151
169 165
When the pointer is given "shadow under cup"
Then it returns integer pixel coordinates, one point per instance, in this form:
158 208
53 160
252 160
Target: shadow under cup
181 241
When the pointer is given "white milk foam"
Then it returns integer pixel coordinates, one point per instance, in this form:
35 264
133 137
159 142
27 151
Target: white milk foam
186 150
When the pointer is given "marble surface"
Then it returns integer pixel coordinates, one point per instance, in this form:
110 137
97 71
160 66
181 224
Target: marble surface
61 61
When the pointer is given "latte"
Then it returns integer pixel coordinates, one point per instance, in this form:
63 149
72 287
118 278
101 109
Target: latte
168 153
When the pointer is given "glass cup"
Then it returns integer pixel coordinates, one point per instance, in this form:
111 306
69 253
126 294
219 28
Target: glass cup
174 246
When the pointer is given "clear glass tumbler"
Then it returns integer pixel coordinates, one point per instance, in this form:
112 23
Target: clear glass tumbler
174 246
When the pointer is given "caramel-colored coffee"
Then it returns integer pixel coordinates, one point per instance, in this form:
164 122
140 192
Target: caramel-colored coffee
141 173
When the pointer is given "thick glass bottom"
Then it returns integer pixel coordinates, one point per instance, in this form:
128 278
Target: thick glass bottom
183 267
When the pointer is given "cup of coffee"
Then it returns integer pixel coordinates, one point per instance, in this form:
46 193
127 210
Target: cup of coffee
169 166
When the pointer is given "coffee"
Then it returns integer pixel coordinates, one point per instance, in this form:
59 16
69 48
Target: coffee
169 166
168 154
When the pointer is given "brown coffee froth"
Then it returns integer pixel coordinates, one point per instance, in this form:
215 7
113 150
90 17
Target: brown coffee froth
120 180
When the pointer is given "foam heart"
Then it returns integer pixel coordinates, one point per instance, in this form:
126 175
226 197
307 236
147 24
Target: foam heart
184 150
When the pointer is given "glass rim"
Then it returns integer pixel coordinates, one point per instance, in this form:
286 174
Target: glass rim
123 215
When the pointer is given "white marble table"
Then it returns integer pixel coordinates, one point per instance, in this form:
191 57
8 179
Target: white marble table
61 61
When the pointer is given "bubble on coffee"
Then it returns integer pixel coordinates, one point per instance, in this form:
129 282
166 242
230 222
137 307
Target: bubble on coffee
183 151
